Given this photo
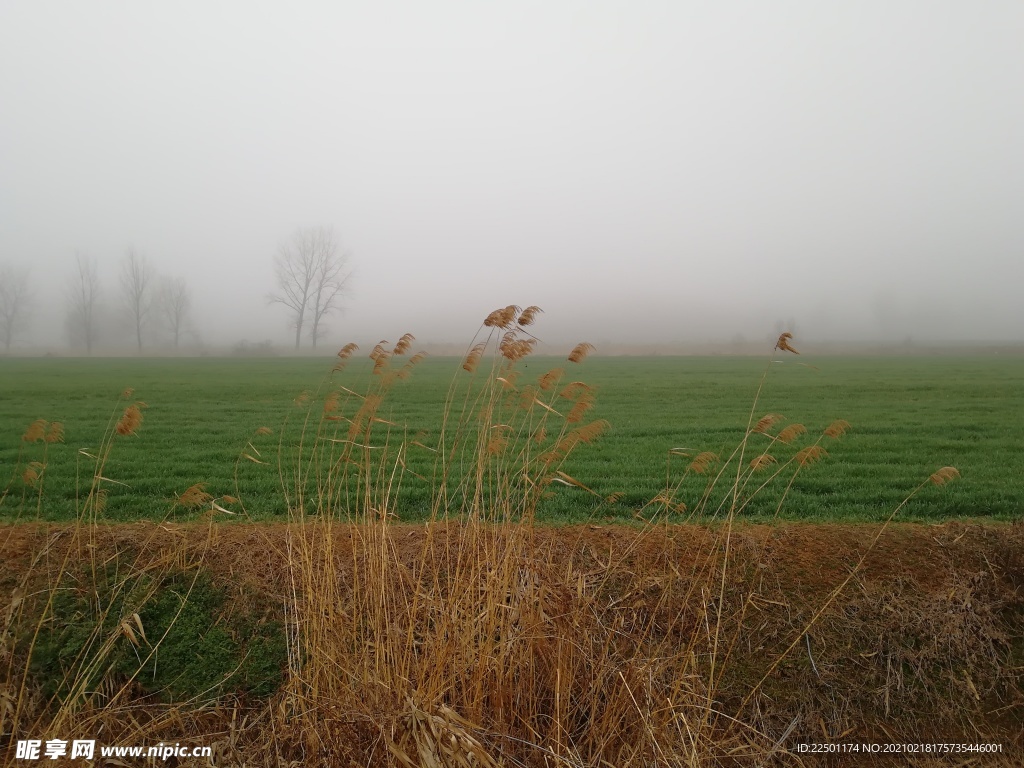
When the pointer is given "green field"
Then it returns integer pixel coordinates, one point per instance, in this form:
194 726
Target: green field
909 416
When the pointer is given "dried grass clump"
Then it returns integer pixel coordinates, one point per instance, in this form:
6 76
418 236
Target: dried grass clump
444 739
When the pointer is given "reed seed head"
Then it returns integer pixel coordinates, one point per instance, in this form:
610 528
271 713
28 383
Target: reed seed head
945 475
403 344
810 455
515 349
791 433
837 429
331 402
575 390
703 462
55 433
762 462
579 408
32 473
529 315
590 432
580 352
473 358
130 420
380 363
783 343
35 432
766 422
549 379
502 318
194 497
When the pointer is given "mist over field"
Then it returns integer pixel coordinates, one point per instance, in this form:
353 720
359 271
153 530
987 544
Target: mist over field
653 173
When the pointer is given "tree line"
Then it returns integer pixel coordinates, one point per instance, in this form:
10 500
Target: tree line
310 270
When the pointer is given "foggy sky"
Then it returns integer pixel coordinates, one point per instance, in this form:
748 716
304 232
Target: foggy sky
648 171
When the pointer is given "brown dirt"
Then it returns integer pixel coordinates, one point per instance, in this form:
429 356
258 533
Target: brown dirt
926 641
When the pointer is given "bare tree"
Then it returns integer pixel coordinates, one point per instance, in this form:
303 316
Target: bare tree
136 282
174 302
84 303
311 278
15 298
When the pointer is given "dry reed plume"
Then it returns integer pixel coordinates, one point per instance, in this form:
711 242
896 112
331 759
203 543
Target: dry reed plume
837 429
791 433
784 345
580 352
130 420
944 475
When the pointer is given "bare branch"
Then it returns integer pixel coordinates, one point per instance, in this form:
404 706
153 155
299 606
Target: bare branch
136 282
174 302
15 300
84 303
311 279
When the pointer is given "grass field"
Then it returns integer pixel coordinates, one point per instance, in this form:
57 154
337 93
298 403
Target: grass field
909 416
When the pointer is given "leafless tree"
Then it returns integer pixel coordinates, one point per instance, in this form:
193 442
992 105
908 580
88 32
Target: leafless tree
311 279
84 303
15 299
174 302
137 283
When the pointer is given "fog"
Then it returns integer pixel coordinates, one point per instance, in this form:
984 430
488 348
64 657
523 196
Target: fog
652 172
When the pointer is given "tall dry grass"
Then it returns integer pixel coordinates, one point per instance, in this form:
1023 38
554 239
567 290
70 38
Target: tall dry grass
482 643
484 647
